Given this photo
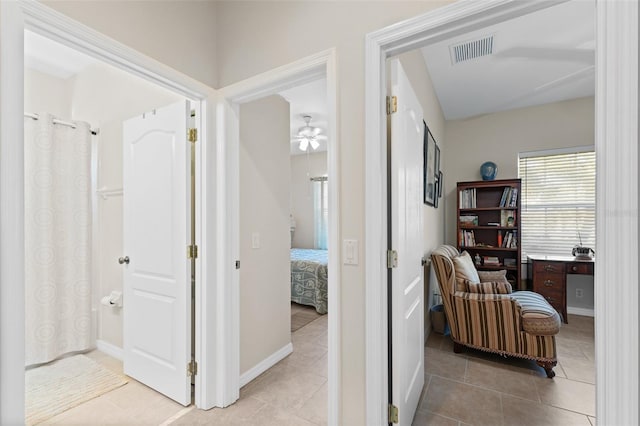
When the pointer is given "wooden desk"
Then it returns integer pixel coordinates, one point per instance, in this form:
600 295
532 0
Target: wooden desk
547 275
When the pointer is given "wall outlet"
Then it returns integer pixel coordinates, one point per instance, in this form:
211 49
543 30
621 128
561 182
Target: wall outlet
579 293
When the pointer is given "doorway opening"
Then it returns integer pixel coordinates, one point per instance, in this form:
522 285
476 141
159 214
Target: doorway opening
284 251
295 75
429 29
85 314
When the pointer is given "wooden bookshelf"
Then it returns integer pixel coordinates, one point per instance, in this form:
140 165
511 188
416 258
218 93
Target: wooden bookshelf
488 224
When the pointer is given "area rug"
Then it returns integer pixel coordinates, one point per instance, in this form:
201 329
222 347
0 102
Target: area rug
303 316
57 387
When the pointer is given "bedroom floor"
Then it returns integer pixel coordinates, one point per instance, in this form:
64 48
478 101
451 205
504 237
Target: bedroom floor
293 392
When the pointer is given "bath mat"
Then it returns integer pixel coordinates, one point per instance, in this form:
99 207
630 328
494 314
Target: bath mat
56 387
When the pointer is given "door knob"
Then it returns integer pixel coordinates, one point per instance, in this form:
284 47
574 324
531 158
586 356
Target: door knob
124 260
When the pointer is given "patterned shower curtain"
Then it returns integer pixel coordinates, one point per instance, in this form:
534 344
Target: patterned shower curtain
57 238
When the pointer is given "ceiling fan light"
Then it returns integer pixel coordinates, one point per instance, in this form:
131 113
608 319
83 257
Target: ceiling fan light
314 144
304 144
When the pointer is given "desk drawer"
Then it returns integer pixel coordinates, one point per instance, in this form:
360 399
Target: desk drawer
545 282
580 268
549 267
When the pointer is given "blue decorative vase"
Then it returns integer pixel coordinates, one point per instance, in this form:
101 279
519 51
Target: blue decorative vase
488 170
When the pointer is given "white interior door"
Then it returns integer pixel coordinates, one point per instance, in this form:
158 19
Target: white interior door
157 284
406 225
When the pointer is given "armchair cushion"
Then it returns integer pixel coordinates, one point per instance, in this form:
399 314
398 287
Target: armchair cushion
465 270
538 317
491 287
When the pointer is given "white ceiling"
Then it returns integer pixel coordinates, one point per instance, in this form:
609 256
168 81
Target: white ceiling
308 99
50 57
547 56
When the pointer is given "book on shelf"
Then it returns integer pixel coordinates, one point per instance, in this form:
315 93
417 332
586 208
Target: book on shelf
491 261
467 238
509 197
510 240
514 197
467 198
469 220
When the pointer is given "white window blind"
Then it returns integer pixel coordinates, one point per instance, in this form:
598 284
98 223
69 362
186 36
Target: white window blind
320 212
558 201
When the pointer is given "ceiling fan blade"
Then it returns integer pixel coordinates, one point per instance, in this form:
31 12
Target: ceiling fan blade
321 137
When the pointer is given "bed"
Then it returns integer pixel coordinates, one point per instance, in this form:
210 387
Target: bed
309 278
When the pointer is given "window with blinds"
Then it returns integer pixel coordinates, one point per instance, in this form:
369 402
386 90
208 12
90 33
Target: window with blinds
558 201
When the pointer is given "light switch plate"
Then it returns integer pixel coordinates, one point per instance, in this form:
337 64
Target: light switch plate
350 252
255 240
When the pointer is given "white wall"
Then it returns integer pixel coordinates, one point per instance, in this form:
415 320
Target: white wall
418 74
254 37
181 34
45 93
499 137
265 272
304 167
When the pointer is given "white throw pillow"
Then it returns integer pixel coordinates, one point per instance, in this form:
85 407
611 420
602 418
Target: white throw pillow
465 270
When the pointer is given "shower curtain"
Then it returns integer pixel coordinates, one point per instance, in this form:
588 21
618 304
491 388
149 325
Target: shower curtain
57 238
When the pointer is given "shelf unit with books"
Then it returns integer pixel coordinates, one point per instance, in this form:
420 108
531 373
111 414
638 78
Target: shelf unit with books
488 225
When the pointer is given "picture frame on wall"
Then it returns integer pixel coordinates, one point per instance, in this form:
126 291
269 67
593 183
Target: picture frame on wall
430 170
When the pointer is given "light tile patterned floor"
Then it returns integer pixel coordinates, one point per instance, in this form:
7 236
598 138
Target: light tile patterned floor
484 389
293 392
460 389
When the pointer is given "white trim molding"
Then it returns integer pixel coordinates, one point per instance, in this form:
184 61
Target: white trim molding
616 116
265 364
313 67
110 349
581 311
616 330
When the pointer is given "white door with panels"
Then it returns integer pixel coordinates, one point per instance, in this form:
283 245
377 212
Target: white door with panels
157 233
406 246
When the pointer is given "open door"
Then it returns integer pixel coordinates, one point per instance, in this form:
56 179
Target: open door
157 233
406 283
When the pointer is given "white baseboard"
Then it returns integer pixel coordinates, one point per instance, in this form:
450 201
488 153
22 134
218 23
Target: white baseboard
581 311
109 349
265 364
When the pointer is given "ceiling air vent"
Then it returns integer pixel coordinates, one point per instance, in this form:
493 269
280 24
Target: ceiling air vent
471 49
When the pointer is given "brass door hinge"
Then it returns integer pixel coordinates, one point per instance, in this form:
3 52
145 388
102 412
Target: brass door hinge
192 252
192 135
393 414
392 259
192 368
392 104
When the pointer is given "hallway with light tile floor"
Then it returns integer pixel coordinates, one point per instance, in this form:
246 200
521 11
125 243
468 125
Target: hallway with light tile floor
460 389
293 392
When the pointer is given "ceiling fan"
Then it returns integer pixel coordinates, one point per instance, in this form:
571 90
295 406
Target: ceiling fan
308 135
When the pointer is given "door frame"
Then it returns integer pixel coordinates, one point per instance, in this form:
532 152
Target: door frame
617 189
313 67
16 17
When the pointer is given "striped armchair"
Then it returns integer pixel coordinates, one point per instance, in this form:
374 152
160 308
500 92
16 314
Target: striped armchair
520 324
